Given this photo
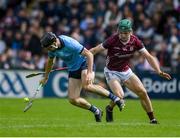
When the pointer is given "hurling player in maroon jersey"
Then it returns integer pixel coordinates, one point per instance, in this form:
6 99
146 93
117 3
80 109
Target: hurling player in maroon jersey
120 48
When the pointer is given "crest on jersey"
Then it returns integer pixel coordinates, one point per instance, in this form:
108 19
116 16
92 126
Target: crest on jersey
131 48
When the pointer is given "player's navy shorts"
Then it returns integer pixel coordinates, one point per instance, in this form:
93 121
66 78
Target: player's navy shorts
77 73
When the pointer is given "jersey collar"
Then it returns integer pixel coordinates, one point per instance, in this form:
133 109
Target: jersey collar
124 43
62 43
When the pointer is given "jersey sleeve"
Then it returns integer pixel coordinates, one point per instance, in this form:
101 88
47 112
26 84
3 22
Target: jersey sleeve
74 46
139 45
77 47
107 43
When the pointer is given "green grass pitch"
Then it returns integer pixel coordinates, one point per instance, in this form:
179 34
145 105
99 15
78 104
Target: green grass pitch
57 117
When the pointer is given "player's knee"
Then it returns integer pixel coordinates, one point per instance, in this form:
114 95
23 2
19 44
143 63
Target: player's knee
73 101
142 94
87 87
121 95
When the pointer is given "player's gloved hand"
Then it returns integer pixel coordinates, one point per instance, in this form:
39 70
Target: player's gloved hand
165 75
43 81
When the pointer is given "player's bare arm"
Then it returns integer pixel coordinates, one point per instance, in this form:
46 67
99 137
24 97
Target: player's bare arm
48 68
90 58
153 62
97 49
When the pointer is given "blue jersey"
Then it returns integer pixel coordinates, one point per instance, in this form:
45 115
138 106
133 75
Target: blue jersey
70 52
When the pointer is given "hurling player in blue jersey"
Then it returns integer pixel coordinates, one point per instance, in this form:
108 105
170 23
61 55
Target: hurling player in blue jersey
79 61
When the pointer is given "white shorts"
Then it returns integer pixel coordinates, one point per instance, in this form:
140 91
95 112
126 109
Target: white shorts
120 76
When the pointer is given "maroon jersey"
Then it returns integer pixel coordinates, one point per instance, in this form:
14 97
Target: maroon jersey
119 54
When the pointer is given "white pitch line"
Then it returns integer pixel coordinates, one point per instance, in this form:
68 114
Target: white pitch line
80 125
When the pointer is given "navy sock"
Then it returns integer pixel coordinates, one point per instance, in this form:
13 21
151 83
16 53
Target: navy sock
113 97
93 109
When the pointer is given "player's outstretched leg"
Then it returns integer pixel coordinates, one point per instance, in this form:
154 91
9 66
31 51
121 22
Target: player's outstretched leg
101 91
135 85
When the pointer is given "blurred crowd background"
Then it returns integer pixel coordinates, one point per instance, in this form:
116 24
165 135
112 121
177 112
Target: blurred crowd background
23 22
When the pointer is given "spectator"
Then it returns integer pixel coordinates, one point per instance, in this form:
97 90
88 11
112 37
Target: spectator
22 23
145 31
2 44
112 15
163 56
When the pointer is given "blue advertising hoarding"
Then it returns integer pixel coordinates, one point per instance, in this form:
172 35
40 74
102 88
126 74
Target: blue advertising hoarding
160 88
156 86
57 85
14 84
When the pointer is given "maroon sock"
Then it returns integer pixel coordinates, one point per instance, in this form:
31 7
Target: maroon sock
150 115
